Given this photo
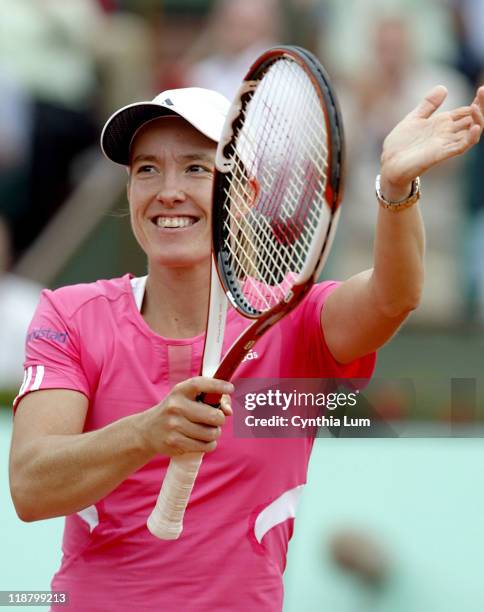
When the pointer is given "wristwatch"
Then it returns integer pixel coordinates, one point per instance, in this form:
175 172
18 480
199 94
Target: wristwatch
412 199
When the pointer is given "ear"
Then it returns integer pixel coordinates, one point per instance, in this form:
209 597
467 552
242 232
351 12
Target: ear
246 203
254 187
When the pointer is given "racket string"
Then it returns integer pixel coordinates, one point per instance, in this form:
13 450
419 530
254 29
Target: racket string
265 237
281 146
262 238
273 272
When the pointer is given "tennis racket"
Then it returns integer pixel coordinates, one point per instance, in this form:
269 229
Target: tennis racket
276 201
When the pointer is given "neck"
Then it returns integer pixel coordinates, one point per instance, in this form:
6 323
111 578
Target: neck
176 300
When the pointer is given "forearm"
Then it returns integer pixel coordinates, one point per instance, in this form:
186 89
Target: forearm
57 475
398 272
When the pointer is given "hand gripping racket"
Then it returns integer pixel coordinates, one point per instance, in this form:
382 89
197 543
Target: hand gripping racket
277 190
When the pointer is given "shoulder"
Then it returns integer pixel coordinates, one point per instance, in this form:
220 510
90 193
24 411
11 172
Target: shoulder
73 298
316 298
323 290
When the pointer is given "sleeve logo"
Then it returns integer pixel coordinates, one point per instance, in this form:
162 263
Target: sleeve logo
48 334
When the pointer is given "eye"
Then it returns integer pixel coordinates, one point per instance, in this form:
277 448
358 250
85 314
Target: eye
146 169
199 169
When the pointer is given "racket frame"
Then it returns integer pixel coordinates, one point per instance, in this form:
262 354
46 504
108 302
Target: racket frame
333 195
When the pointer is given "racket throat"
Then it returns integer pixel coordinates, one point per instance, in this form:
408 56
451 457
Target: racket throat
248 338
217 315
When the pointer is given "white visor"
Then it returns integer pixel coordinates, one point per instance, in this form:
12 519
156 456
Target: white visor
203 108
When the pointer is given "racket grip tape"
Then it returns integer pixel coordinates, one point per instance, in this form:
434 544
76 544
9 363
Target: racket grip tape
166 520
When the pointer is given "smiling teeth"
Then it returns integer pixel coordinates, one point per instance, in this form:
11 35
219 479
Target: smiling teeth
174 222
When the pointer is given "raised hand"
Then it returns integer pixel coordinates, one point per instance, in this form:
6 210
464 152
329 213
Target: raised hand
425 138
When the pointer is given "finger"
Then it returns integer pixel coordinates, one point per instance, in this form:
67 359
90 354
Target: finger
474 135
182 444
461 112
197 412
477 115
184 439
193 425
226 405
193 387
463 124
432 101
464 142
479 99
201 433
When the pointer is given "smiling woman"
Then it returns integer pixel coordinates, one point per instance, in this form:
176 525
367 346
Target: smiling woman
100 415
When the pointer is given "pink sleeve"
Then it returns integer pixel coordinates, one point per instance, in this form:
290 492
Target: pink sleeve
314 338
52 348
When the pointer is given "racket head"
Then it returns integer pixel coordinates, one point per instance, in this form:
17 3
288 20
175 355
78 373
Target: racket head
278 182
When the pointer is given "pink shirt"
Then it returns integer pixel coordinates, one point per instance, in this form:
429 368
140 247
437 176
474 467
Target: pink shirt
232 553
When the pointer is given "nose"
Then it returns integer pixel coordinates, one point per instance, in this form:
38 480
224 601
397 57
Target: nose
170 192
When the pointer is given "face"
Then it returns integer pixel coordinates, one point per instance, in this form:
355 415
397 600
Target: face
170 192
242 23
392 45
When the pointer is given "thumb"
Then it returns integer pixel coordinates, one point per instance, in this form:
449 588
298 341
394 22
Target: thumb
432 101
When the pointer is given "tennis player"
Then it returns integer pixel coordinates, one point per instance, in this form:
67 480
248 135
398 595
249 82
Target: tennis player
111 373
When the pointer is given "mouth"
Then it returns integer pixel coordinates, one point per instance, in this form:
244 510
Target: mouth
174 222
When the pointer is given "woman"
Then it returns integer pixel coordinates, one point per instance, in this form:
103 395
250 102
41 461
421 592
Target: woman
110 385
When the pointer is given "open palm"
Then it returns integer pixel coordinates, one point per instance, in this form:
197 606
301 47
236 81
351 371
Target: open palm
423 139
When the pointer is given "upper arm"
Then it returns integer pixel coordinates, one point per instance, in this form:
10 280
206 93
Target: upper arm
39 415
47 412
352 322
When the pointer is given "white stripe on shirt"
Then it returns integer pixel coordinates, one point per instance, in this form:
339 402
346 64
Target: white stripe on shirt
27 380
278 511
90 516
23 383
39 377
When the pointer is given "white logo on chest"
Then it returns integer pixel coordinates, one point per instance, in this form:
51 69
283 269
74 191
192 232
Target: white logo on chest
250 356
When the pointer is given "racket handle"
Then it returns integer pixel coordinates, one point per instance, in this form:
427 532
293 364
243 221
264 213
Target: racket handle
212 399
166 520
